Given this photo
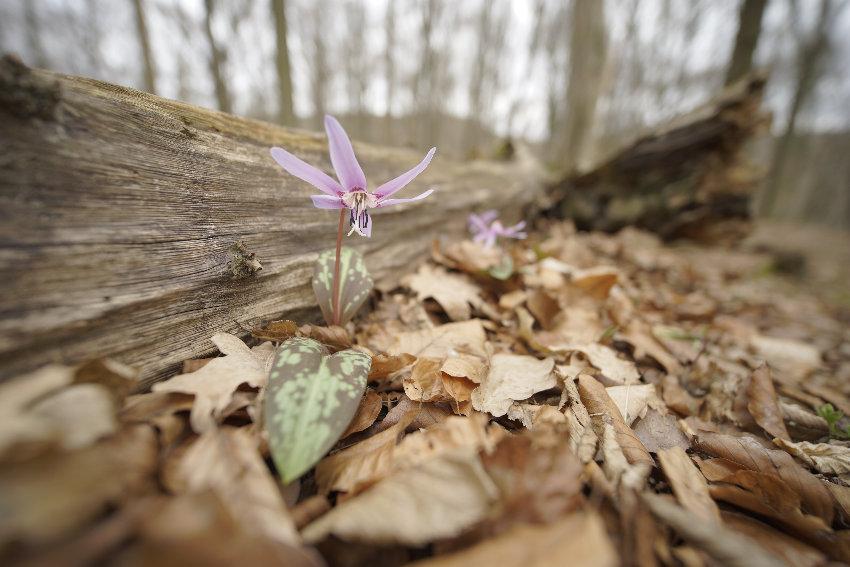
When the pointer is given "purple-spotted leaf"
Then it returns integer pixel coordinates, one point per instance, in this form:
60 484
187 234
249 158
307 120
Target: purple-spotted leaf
310 399
355 283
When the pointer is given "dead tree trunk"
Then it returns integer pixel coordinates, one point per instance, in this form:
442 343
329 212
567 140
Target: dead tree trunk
688 178
119 210
746 41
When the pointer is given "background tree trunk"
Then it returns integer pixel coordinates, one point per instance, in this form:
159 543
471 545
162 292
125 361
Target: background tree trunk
148 66
808 69
216 61
588 46
120 212
746 41
285 112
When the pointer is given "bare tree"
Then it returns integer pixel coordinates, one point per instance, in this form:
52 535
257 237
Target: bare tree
746 41
285 111
316 28
355 65
216 60
148 67
811 52
588 51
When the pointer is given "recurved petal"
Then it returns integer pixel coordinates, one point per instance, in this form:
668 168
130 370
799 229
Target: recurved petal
306 172
327 202
345 163
390 202
394 185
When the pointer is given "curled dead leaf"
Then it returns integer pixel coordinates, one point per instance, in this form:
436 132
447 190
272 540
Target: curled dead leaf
749 454
763 404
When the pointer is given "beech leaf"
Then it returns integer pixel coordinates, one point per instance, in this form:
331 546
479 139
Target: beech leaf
311 398
355 283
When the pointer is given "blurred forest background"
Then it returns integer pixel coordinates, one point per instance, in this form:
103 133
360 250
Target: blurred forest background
572 78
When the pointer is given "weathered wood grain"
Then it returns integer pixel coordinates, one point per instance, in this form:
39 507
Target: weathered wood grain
118 210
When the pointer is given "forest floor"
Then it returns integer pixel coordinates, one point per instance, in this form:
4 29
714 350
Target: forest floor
574 398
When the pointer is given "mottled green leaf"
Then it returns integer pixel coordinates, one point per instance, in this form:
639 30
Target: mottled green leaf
355 283
310 399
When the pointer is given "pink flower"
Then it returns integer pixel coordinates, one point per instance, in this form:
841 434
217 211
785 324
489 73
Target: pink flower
486 228
350 191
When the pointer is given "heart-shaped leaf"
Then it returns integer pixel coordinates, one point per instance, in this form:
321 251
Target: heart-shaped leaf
355 283
311 398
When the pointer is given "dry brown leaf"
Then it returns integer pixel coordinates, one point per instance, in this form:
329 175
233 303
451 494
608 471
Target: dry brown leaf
769 496
596 282
214 385
426 414
825 458
367 412
197 529
531 415
471 432
599 405
763 404
582 437
227 462
455 293
614 368
367 462
689 485
803 423
80 414
470 256
727 547
641 337
634 400
118 378
793 551
677 398
795 358
543 306
362 464
512 377
436 500
428 383
841 494
53 495
658 432
618 469
17 425
750 455
277 331
443 341
579 539
385 365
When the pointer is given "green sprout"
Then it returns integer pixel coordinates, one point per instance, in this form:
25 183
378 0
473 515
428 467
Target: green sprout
832 417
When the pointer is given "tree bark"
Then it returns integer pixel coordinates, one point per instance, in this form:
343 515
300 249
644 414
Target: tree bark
121 214
746 41
148 66
216 61
285 112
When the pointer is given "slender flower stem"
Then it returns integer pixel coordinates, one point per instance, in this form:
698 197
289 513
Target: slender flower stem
335 301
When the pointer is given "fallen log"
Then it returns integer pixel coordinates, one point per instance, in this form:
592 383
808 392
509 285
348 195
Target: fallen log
690 177
135 227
